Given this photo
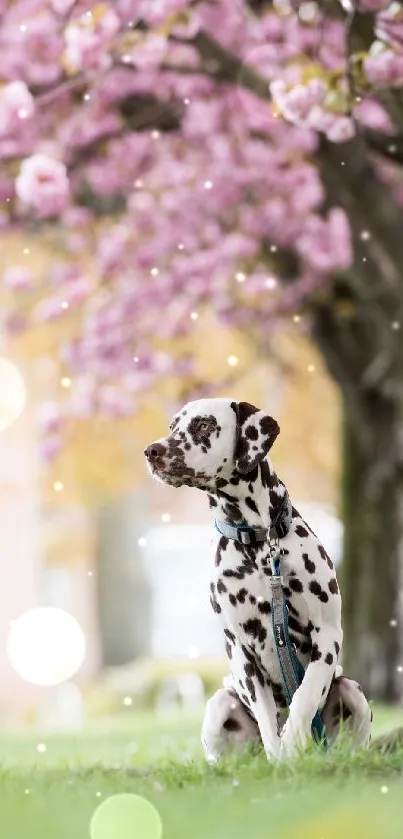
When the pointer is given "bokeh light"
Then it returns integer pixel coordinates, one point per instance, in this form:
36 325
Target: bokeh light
12 393
46 646
126 816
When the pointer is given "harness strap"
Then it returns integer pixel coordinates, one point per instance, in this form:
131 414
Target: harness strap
292 670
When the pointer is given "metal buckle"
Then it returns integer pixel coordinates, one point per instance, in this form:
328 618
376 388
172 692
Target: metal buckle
244 537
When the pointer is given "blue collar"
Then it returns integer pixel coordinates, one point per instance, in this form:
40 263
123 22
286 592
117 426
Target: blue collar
251 535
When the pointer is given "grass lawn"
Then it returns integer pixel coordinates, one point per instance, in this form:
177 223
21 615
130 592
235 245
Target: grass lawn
54 793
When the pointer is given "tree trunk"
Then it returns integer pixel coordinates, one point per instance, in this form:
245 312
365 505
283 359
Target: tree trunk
373 545
372 491
123 590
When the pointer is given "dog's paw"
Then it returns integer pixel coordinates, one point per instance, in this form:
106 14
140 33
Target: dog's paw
293 740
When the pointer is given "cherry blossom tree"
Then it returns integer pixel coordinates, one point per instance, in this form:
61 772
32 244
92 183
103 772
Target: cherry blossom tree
240 156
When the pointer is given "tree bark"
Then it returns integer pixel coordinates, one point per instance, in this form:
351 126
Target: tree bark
372 492
372 496
124 601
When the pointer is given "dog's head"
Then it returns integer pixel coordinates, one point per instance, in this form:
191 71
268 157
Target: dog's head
211 441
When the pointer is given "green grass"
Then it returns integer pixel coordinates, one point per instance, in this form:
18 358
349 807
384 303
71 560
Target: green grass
54 793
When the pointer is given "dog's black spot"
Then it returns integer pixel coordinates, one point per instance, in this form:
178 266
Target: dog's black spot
301 531
228 649
306 647
270 428
295 641
251 504
329 658
278 694
252 433
251 688
232 725
253 475
316 653
248 655
212 501
221 548
336 647
221 587
241 596
232 599
309 565
255 628
296 585
294 624
316 589
333 587
233 512
216 606
265 607
252 599
325 556
346 713
201 429
249 669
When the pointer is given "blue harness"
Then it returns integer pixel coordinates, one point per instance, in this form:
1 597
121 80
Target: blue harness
292 670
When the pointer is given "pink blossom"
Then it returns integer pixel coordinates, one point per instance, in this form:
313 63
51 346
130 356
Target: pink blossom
150 51
88 38
50 418
18 277
384 69
167 244
62 7
43 185
16 104
342 129
371 113
48 309
116 402
31 46
50 447
298 102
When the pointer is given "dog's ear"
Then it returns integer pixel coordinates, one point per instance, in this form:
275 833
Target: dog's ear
255 435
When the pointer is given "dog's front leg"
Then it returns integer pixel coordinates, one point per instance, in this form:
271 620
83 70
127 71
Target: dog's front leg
246 671
326 642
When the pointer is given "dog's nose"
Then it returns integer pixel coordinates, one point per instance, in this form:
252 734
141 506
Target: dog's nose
154 451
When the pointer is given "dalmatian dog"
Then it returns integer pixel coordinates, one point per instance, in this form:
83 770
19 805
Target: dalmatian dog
220 446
